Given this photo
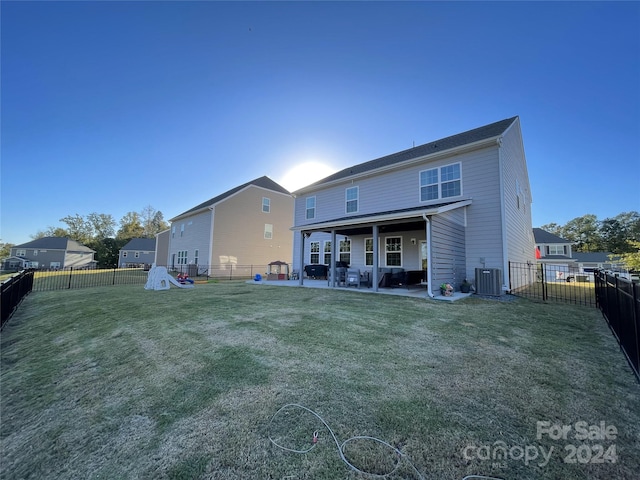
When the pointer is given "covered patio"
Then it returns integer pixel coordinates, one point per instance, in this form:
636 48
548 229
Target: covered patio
434 234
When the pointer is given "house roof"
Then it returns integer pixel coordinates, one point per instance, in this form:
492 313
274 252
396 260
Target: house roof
353 222
147 244
592 257
542 236
471 136
55 243
263 182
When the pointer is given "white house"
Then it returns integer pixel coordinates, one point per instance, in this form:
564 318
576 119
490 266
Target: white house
435 212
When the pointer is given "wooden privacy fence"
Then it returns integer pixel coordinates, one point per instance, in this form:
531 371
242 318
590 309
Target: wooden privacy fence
619 302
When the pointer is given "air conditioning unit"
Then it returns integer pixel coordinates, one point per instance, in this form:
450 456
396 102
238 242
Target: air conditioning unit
489 281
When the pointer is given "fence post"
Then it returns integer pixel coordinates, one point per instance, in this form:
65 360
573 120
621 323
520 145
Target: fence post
70 276
114 277
544 283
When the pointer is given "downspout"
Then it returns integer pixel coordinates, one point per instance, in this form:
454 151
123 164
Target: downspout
503 221
429 263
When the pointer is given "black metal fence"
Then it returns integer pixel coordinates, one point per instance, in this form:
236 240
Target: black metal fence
61 279
619 302
552 283
13 290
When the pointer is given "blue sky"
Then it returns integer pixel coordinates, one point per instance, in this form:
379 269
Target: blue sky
109 107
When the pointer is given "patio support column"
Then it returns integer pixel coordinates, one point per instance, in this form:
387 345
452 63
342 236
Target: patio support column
375 258
332 266
301 258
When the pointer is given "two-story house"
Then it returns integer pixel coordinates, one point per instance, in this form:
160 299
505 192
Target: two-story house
50 253
562 263
446 208
246 227
137 252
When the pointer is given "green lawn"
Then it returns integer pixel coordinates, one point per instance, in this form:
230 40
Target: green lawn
120 382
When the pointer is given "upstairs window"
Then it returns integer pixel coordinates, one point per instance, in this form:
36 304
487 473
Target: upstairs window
266 204
21 252
556 250
311 208
443 182
182 229
268 231
351 198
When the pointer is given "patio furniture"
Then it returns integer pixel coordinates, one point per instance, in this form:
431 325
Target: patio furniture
353 277
341 275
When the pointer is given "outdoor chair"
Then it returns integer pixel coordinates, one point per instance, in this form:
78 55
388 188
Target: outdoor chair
353 278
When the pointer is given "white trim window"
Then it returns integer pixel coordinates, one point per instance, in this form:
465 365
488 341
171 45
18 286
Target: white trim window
314 253
35 253
266 205
368 252
556 250
182 229
393 251
442 182
351 199
327 252
345 251
195 258
124 254
136 255
268 231
182 257
310 205
21 252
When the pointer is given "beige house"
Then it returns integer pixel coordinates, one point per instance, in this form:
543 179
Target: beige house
242 230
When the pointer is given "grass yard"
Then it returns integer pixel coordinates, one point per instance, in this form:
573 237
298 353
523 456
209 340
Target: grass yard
120 382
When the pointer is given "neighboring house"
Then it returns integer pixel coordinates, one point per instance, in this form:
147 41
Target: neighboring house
561 262
551 248
50 253
449 206
247 226
590 261
137 252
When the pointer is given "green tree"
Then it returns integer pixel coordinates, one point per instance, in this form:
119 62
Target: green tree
553 228
102 224
130 227
631 259
584 233
50 232
80 229
152 221
5 249
107 250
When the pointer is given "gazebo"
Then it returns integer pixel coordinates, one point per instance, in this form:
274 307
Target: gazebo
278 271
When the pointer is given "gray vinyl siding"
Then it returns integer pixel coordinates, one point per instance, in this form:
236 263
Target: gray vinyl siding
519 231
196 235
143 257
483 217
44 258
448 247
